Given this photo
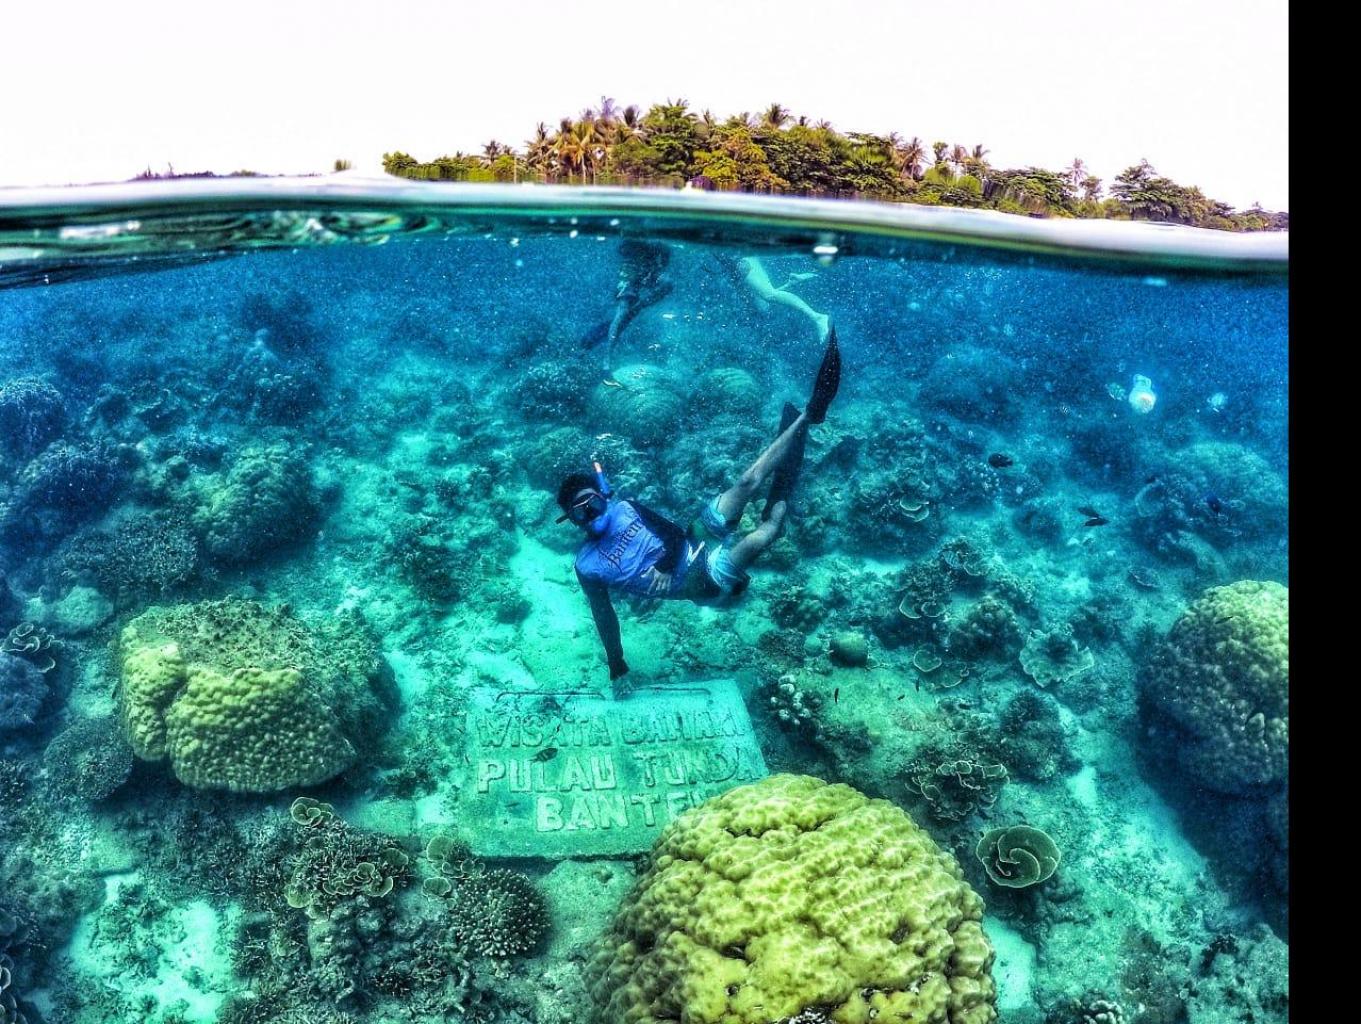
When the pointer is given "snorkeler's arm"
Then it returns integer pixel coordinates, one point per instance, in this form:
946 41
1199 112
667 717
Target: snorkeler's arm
606 623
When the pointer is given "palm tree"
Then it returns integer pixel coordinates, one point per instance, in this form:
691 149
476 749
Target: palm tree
1091 187
910 155
567 148
959 156
629 125
975 162
492 150
539 151
775 116
939 149
1077 170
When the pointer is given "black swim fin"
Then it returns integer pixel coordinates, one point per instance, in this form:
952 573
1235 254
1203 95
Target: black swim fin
786 476
827 382
597 334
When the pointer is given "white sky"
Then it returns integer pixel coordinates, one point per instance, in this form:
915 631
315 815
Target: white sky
100 90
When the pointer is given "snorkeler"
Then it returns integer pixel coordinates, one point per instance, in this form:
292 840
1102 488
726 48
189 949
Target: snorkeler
641 284
631 549
751 273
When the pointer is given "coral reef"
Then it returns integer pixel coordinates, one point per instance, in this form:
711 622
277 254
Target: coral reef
491 911
263 502
338 864
788 895
1222 680
1055 656
22 691
63 487
88 760
642 403
32 415
1017 856
146 554
238 697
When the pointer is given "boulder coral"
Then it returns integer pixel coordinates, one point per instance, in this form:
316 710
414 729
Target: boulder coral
237 697
1222 676
263 502
791 896
641 403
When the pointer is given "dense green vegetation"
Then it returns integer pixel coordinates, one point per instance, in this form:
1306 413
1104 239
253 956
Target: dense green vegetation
774 152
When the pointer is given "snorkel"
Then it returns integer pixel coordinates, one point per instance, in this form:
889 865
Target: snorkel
602 482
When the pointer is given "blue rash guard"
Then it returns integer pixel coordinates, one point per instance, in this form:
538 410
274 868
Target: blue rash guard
627 541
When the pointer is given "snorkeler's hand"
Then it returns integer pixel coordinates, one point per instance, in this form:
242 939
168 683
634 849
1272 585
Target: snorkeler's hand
658 582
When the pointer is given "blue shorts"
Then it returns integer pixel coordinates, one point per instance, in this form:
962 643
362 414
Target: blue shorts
720 577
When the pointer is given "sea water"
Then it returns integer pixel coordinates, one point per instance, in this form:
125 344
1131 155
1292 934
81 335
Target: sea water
284 598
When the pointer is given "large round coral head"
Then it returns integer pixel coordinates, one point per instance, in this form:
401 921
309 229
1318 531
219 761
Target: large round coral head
791 897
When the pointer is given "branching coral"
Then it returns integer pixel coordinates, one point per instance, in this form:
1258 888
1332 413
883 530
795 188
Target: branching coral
88 760
32 415
22 692
491 911
146 554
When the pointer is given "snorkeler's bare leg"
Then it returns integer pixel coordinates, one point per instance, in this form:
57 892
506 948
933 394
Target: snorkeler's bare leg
754 544
758 280
732 501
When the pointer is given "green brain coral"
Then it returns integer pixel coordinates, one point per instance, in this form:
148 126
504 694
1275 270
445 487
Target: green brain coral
792 895
244 698
1223 676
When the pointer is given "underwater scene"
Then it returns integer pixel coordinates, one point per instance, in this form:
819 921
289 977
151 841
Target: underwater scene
605 616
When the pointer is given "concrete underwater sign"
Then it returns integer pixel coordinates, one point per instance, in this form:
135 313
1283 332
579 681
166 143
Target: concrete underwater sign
575 774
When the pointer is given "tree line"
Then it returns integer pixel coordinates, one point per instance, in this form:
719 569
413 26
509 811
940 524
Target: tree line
775 152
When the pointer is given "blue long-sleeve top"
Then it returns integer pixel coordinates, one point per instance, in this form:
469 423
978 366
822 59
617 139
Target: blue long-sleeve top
627 541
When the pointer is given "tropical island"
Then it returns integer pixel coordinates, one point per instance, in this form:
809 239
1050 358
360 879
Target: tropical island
775 152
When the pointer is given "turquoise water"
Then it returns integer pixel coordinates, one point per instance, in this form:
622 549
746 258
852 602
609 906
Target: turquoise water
304 716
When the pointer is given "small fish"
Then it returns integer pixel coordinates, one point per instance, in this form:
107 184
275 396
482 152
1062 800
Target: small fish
610 382
1096 521
999 460
1089 511
836 695
546 754
1214 504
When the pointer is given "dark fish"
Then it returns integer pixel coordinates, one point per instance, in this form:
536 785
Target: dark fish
998 460
1215 505
546 754
1089 512
836 695
1096 521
